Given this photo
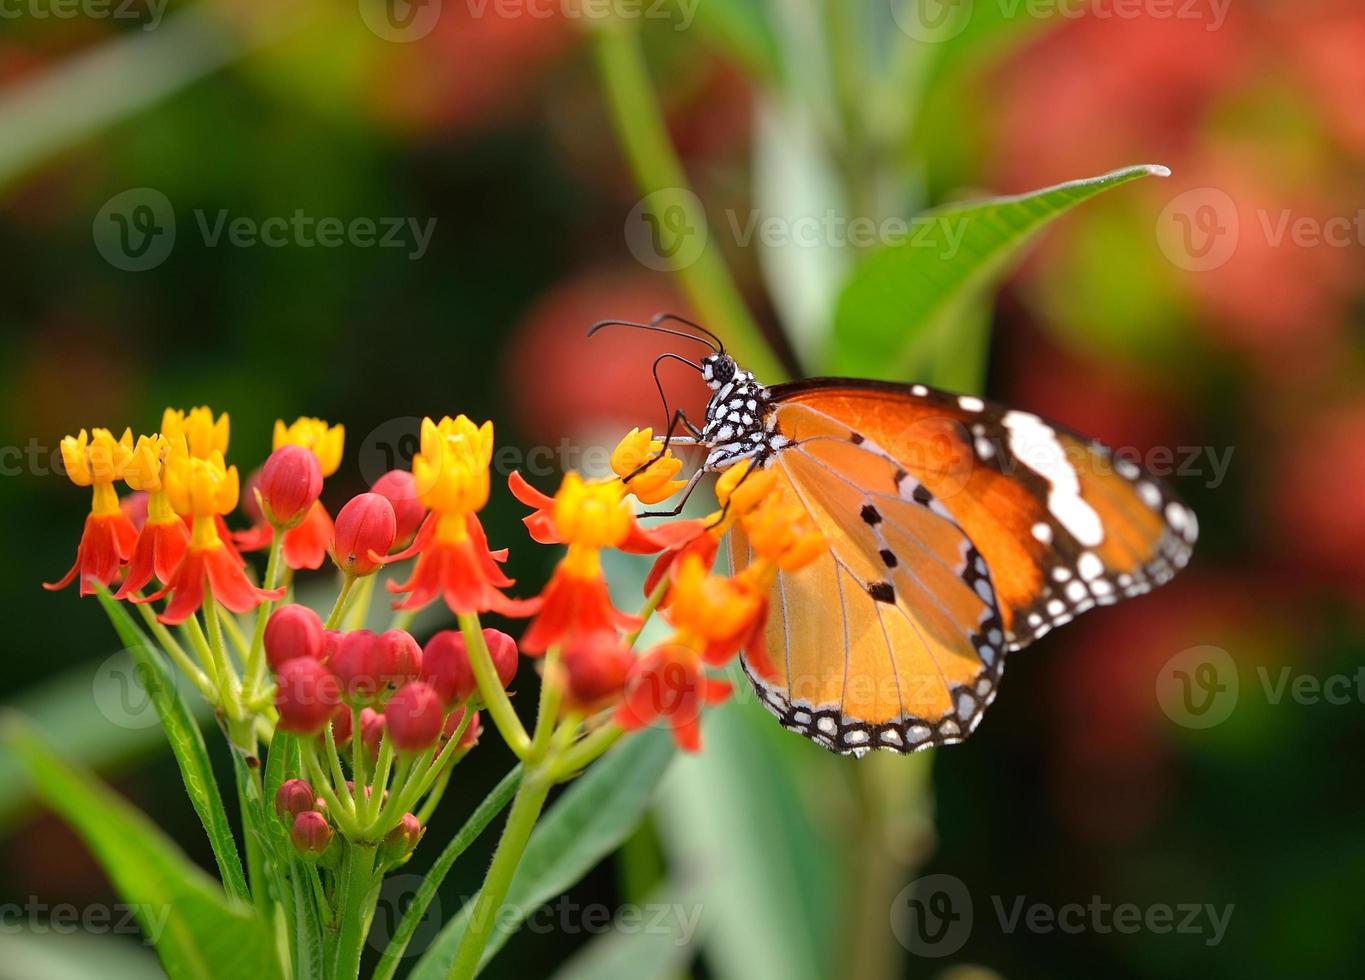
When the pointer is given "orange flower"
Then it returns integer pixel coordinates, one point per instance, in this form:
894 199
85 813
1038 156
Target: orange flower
668 683
655 483
109 537
587 516
163 539
450 473
203 490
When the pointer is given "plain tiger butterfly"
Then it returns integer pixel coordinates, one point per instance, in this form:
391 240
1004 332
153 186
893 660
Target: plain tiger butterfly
958 531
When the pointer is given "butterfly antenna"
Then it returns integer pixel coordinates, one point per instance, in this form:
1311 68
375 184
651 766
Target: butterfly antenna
711 340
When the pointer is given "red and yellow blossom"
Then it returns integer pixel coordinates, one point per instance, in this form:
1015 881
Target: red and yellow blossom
203 434
163 537
95 460
450 473
587 516
202 490
656 482
307 540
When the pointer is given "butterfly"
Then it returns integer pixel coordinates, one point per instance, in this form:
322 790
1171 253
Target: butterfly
958 531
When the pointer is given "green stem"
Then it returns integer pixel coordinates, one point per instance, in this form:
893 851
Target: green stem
490 689
342 604
255 659
360 607
586 751
338 775
648 609
550 694
176 652
526 807
640 129
353 911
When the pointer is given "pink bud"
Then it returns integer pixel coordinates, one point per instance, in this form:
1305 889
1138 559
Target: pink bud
400 658
597 668
307 695
372 726
446 667
294 796
401 840
341 729
356 664
399 487
291 481
502 649
292 631
365 525
470 738
414 716
310 833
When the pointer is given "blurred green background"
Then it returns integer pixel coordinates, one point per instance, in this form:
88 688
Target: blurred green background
1216 316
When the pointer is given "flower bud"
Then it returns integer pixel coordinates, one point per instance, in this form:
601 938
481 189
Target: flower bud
341 729
400 489
310 833
372 726
400 658
401 841
307 695
356 664
294 796
134 507
292 631
595 669
366 524
446 667
414 715
291 482
470 738
249 501
331 642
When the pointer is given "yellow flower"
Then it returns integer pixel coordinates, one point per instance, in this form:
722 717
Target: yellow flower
656 483
711 607
203 434
199 488
325 441
591 514
142 469
95 458
781 532
451 468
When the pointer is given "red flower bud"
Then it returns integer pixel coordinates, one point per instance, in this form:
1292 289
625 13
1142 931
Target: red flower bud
356 664
401 841
366 524
371 731
134 507
415 714
446 667
294 796
341 730
596 669
400 658
470 738
331 642
311 833
247 500
307 695
291 481
293 631
400 489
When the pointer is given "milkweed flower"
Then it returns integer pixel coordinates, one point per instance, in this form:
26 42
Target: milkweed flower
655 483
95 460
202 490
307 535
163 537
454 562
587 516
203 435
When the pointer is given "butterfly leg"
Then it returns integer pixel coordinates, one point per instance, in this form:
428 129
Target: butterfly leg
692 482
680 416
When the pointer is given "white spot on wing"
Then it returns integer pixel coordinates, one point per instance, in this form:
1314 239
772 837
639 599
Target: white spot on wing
1035 445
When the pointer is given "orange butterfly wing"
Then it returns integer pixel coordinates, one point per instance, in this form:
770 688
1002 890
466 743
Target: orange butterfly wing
892 639
1062 523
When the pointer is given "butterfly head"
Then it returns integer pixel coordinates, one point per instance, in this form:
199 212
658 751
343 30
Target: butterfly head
718 370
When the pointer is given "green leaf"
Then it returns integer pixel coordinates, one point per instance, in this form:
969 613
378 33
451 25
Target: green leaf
587 823
491 805
198 931
26 953
629 952
186 741
901 301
